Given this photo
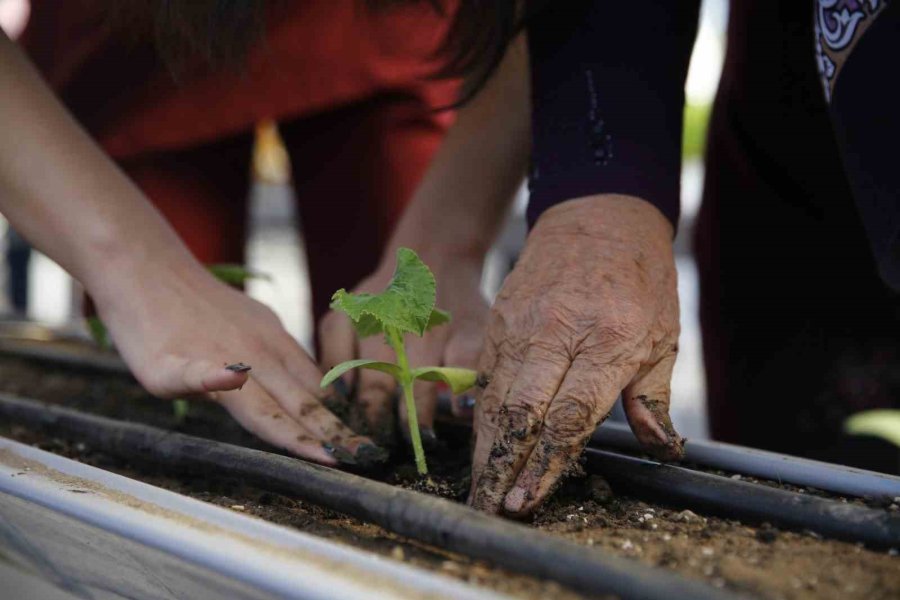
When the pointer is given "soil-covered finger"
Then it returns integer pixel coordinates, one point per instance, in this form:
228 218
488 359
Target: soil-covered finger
519 423
583 400
337 438
646 404
257 412
492 387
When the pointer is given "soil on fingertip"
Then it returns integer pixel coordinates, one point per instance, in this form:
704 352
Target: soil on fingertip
758 560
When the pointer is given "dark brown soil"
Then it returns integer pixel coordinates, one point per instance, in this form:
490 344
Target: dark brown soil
760 561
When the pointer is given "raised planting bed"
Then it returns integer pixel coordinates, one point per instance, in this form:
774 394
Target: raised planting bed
96 534
751 558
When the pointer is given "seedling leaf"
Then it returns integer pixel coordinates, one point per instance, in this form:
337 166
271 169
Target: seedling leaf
407 304
99 333
458 379
438 317
362 363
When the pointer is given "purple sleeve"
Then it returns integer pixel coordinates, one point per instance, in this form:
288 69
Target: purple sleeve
607 100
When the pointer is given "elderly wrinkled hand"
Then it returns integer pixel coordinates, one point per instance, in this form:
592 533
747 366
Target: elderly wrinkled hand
590 311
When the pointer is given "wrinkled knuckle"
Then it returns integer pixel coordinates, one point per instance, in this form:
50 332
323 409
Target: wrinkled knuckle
621 332
551 315
522 420
568 418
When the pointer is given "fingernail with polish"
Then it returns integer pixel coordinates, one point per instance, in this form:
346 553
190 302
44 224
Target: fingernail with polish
238 367
341 387
466 401
368 455
429 438
342 455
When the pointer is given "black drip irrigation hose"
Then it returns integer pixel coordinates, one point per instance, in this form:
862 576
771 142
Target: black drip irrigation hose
747 501
683 486
49 352
773 466
431 520
838 479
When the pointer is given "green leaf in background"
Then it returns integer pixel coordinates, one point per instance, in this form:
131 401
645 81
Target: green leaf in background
881 423
180 410
98 332
235 274
362 363
407 304
231 274
458 379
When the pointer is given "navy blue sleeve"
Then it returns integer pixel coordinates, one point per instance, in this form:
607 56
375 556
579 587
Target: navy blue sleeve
864 109
607 84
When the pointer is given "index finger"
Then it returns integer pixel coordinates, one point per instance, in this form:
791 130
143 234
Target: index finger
518 423
582 402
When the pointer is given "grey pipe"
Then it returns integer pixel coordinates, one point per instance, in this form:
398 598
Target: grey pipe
766 465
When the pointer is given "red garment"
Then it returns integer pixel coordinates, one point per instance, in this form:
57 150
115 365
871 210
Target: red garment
349 86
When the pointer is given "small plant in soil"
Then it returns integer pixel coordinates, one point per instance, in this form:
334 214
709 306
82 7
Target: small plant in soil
406 306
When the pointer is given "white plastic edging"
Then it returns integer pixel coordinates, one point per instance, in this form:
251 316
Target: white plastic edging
276 561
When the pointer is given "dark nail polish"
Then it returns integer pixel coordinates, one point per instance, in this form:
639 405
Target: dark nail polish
429 438
368 455
238 367
466 401
341 387
342 455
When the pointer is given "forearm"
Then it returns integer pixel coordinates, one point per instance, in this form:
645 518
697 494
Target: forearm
64 195
466 193
609 126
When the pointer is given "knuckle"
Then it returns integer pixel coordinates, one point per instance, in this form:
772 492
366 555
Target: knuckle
568 418
521 421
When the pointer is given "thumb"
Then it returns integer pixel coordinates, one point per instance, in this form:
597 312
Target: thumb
646 403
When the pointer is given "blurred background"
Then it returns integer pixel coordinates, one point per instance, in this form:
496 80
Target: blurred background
34 287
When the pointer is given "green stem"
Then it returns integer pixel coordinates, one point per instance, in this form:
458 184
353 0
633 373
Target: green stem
395 338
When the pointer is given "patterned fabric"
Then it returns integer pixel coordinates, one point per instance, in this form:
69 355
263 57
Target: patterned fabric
839 25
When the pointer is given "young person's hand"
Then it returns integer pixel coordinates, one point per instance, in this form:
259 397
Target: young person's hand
176 325
451 222
590 311
180 329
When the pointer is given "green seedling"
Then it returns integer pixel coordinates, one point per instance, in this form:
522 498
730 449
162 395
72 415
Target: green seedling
231 274
406 306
